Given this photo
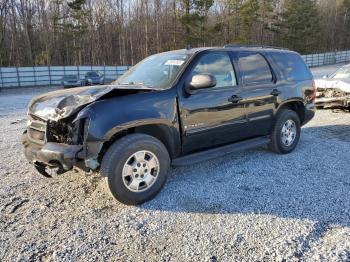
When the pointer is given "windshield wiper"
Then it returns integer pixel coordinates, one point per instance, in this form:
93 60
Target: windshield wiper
135 84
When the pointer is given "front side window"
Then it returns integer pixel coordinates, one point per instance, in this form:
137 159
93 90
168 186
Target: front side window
156 71
254 68
219 65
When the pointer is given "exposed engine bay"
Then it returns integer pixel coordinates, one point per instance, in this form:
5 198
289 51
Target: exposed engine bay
56 129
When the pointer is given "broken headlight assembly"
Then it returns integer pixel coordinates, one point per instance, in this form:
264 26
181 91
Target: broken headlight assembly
82 123
68 131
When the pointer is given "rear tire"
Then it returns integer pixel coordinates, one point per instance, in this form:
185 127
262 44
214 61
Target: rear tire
286 133
137 167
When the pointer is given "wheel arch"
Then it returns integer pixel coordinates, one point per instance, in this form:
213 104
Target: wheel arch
295 105
166 134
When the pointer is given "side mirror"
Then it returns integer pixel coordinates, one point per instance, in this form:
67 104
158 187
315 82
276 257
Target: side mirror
200 81
325 76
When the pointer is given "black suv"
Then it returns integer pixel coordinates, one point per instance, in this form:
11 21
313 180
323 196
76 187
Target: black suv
174 108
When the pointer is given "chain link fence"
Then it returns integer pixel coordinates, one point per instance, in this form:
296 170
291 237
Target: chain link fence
13 77
329 58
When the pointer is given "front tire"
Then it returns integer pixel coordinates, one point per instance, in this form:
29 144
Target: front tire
286 133
136 167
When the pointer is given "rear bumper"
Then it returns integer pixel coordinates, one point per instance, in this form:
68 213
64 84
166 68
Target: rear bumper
51 154
309 113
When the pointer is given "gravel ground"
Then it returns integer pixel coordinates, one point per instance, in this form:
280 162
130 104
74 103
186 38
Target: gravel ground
248 206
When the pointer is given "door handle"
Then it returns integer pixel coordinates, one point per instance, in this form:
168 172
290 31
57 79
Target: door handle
234 99
275 92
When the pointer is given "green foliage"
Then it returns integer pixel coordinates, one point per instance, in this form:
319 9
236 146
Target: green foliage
248 14
76 5
77 24
194 18
300 26
42 59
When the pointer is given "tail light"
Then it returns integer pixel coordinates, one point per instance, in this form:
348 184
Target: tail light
313 91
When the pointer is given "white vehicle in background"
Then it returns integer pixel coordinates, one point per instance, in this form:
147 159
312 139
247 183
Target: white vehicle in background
334 90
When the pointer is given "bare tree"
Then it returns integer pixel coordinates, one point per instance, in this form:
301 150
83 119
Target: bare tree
62 32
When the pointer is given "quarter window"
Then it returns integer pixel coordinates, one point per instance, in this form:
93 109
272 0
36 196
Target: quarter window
219 65
292 66
254 68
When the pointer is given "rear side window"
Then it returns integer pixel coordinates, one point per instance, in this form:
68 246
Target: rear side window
254 68
292 66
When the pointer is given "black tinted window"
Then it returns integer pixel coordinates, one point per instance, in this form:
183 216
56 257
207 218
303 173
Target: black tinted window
254 68
292 66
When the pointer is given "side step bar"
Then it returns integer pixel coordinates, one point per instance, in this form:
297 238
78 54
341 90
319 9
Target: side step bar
220 151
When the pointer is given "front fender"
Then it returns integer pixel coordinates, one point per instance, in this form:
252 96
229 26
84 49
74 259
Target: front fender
137 123
117 114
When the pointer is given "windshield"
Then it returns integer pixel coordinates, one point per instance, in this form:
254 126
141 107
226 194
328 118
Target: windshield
157 71
341 73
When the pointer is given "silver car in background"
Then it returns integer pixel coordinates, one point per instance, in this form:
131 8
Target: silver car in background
94 78
334 90
70 81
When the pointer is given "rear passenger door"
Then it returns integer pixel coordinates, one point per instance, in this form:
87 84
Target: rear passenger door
259 91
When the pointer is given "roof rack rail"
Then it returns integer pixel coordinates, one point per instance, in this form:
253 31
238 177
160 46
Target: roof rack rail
254 46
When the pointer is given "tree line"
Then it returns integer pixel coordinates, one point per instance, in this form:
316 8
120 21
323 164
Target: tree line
122 32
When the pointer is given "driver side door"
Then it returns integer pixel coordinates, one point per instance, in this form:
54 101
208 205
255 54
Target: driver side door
209 117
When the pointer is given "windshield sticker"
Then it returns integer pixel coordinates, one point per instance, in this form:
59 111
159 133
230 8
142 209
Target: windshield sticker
174 62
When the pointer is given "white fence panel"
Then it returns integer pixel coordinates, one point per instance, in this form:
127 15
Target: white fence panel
11 77
327 58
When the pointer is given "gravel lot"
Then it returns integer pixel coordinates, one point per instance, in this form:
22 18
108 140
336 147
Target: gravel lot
249 206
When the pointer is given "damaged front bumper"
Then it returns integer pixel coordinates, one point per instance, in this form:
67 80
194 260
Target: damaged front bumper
51 154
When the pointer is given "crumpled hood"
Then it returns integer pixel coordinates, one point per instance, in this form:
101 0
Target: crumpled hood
63 103
342 84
